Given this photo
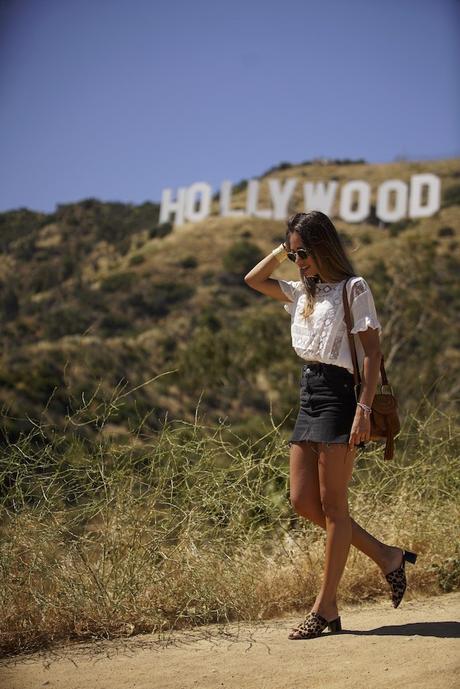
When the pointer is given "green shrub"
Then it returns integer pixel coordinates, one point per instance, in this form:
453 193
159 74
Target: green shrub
65 320
446 232
372 218
68 265
349 161
158 299
43 278
231 279
117 282
21 224
448 572
208 277
208 319
124 245
239 186
136 259
347 241
188 262
284 165
451 196
9 304
45 377
113 323
24 248
161 230
396 228
241 257
169 346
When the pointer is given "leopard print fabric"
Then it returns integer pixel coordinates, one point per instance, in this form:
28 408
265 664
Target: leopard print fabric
398 583
312 626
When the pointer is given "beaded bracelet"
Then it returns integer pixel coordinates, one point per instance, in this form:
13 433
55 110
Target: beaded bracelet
365 407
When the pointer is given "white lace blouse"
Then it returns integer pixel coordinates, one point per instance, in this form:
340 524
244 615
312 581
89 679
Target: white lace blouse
323 335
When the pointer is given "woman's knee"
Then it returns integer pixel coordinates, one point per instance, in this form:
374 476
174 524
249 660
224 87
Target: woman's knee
334 510
334 471
306 509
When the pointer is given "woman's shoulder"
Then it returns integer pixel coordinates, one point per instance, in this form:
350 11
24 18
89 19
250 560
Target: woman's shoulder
355 279
357 285
291 287
358 280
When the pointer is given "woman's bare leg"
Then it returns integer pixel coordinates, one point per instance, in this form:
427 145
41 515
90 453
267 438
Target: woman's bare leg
335 466
306 500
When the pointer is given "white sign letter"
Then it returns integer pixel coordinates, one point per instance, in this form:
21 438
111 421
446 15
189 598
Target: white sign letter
417 182
204 202
346 201
251 201
383 210
169 206
318 197
281 197
225 200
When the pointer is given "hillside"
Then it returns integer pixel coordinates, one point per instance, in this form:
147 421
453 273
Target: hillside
99 297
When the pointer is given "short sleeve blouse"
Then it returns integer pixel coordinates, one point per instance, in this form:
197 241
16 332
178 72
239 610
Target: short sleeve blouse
323 335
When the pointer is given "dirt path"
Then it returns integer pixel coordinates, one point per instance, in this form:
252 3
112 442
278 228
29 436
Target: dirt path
416 646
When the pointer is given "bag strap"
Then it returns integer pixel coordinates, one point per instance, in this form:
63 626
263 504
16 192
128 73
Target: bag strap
354 356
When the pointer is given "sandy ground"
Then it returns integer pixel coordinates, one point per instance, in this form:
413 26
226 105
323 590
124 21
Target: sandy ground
416 645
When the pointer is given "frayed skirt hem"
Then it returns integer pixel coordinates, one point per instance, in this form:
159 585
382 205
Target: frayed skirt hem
335 441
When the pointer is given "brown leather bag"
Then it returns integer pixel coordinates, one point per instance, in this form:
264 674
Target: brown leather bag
385 424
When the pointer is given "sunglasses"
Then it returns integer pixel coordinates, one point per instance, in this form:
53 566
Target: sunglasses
301 253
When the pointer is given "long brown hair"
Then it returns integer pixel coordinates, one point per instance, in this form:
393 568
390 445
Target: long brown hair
320 236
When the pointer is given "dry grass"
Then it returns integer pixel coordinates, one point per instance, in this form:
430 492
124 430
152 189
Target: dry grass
193 525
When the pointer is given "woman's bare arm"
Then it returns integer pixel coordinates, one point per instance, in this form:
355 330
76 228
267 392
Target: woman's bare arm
371 367
258 278
371 364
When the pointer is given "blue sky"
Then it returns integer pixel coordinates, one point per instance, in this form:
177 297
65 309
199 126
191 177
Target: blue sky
118 99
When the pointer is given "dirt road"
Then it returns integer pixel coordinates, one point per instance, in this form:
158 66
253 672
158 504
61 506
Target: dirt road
415 646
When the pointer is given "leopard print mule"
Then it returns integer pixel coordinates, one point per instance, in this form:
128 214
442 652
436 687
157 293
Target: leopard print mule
313 625
397 578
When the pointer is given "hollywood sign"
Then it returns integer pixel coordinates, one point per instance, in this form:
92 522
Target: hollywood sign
421 197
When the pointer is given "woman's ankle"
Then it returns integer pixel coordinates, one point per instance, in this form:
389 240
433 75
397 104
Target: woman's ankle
327 609
391 558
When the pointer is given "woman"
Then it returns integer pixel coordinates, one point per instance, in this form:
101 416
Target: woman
331 423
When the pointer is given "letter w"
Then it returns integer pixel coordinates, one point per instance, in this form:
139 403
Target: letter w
319 196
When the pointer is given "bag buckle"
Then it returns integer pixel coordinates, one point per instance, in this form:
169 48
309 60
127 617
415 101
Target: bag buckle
386 389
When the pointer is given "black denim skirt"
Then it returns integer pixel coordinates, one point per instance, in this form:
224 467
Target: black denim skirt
327 404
